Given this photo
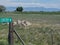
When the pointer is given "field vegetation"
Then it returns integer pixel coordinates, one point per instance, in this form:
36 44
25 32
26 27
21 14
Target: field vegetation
45 28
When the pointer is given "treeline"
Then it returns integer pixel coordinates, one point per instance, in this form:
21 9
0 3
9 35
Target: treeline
30 12
3 8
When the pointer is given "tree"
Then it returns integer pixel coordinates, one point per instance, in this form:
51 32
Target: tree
20 9
2 8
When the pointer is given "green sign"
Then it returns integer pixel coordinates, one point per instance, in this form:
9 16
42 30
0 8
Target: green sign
4 20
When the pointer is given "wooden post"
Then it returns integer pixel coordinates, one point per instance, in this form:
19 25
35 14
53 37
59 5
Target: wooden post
10 35
51 37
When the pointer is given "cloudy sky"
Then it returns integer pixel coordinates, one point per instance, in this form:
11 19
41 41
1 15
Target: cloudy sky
31 3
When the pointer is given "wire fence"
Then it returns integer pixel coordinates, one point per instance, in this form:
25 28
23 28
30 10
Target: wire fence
40 36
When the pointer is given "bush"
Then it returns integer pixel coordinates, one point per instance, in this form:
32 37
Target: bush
2 8
20 9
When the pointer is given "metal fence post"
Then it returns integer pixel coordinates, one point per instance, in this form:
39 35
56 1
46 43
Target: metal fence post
10 34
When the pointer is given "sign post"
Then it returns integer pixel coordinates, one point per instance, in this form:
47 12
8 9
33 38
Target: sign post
5 20
11 30
10 34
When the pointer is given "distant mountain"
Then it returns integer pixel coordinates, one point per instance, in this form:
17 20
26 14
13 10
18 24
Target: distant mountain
33 9
40 9
10 8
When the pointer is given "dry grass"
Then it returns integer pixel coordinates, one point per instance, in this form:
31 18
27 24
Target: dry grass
39 33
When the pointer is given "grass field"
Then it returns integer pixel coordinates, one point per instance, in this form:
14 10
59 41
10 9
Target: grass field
33 17
40 33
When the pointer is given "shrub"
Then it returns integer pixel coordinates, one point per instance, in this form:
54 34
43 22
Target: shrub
2 8
20 9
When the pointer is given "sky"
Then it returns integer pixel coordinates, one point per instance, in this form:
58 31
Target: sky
31 3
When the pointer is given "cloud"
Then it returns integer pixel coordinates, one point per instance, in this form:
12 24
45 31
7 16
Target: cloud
13 3
14 0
